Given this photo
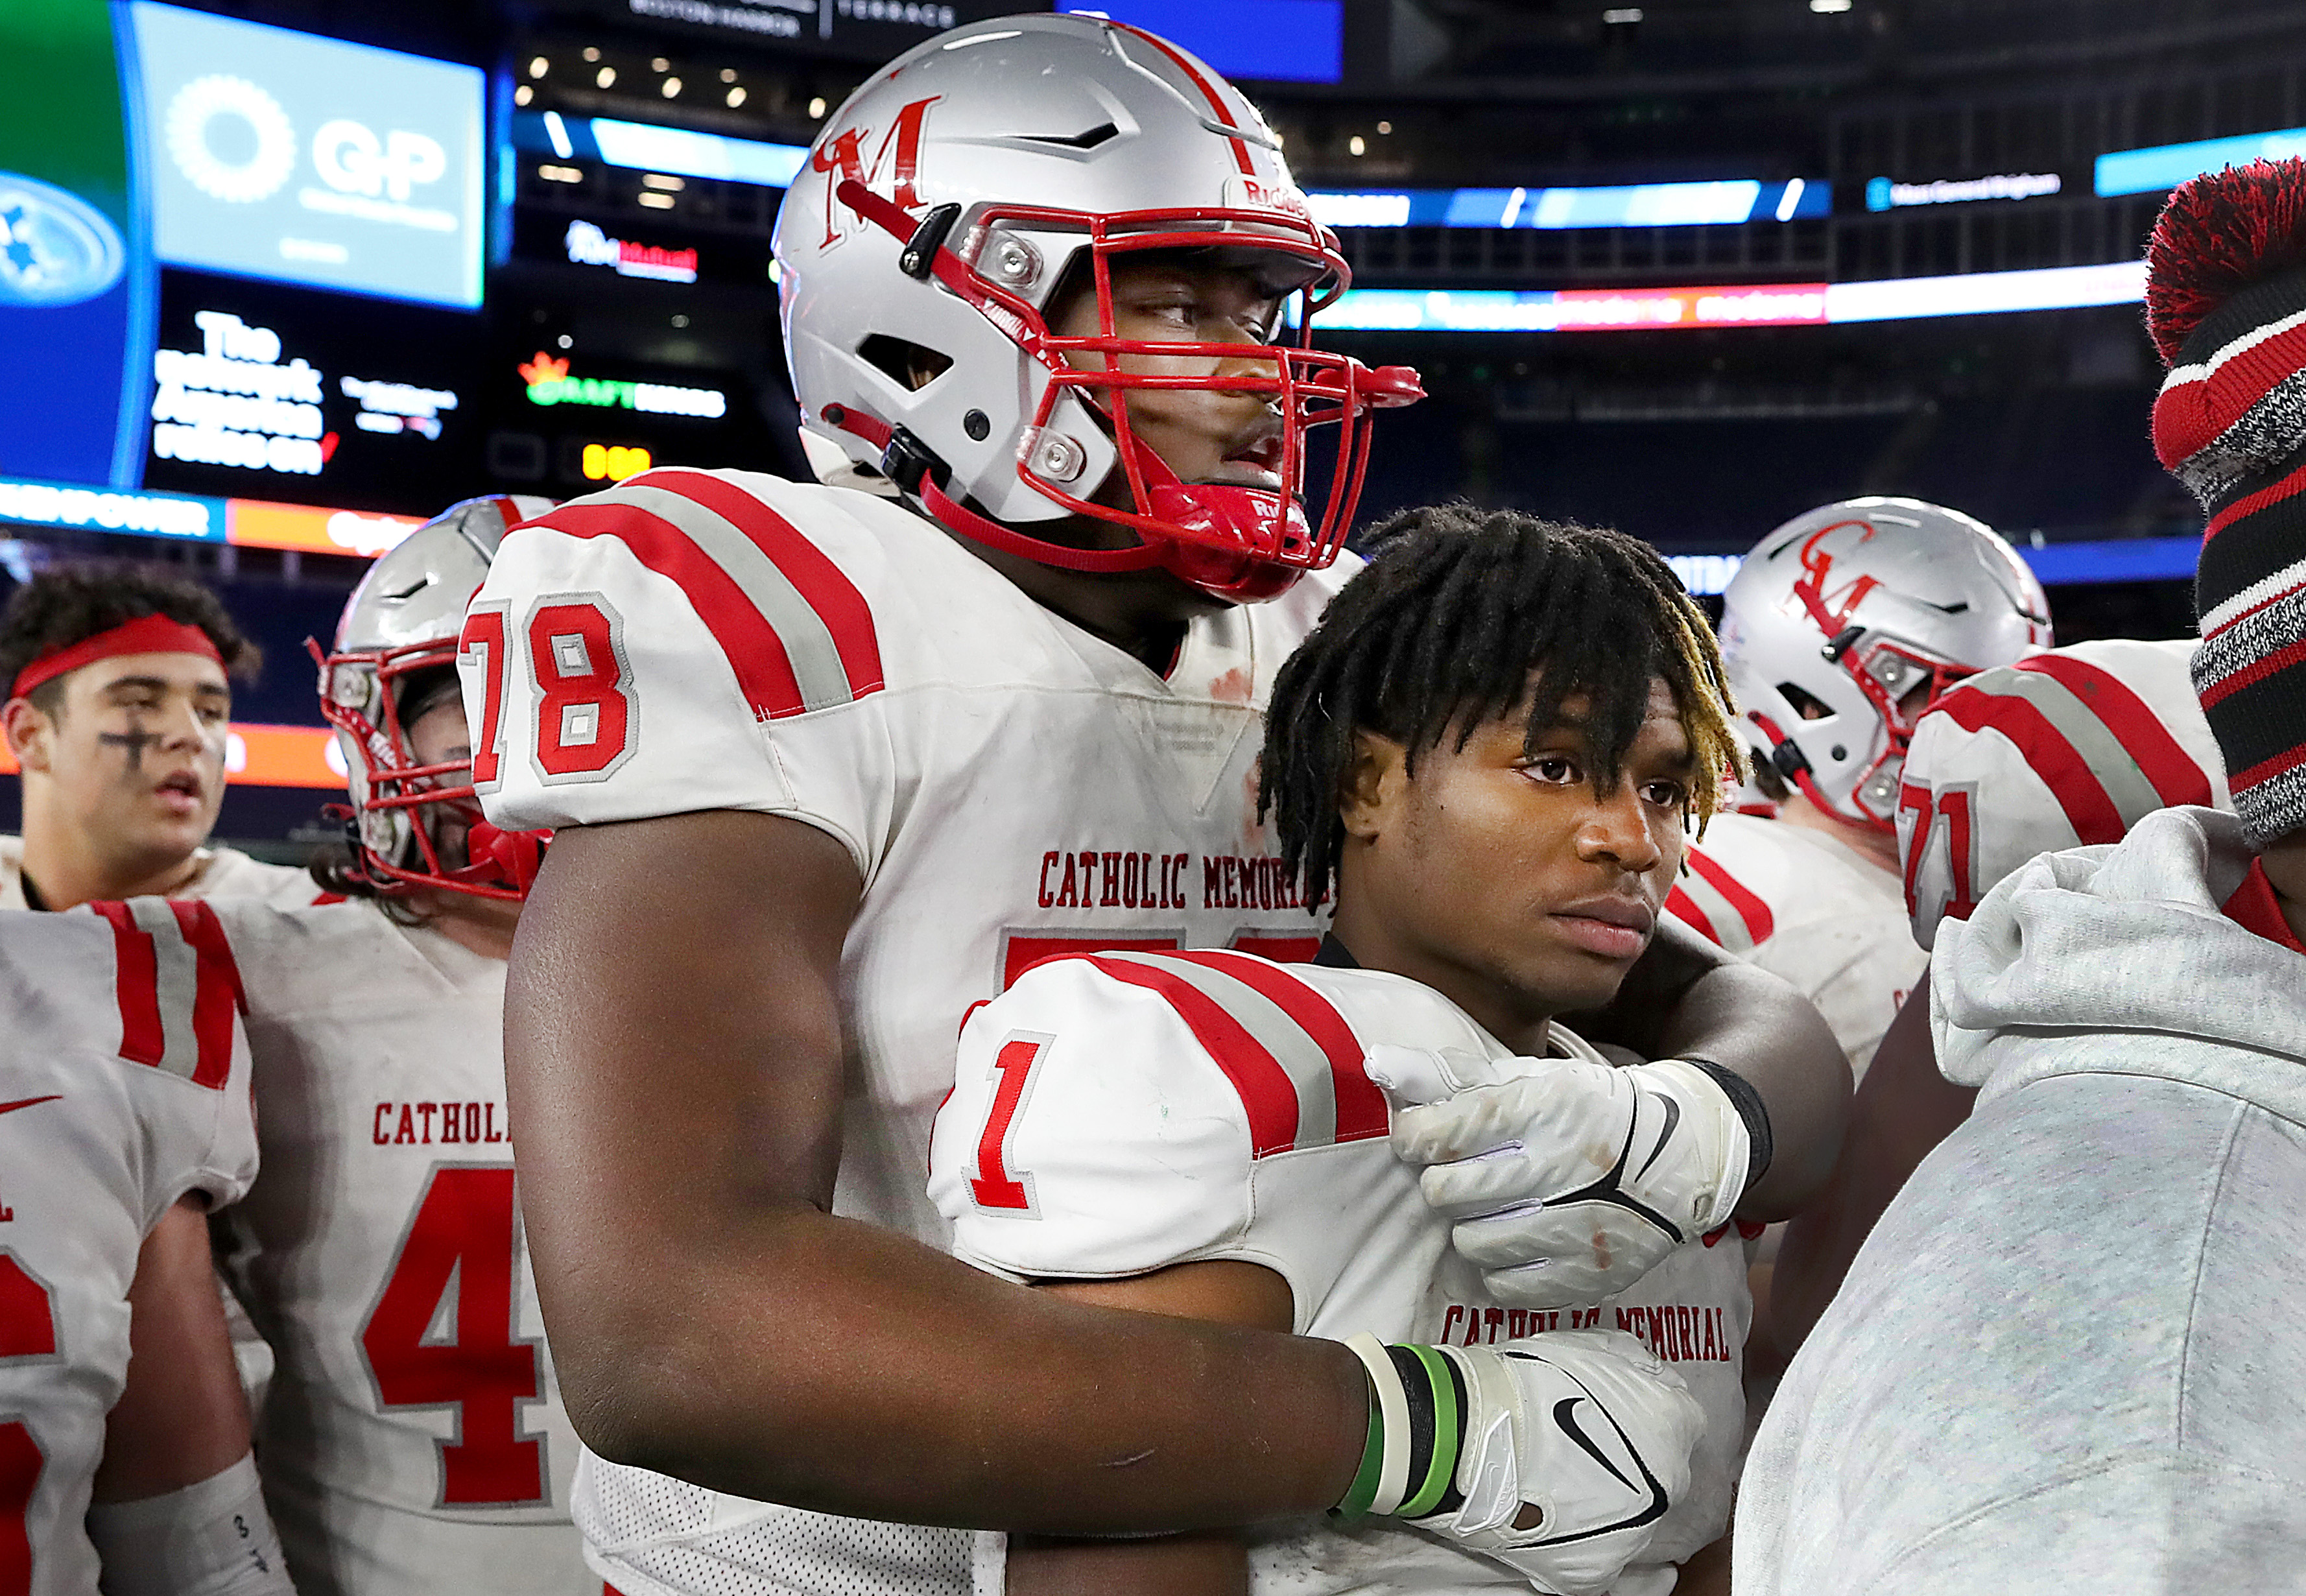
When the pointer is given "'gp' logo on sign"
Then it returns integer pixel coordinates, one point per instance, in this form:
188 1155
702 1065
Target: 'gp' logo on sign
232 140
290 156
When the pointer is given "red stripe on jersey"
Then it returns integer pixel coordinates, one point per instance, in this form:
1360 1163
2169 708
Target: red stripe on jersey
765 672
818 581
1361 1106
1208 93
1759 921
2176 777
217 992
1267 1092
138 980
2072 781
1683 908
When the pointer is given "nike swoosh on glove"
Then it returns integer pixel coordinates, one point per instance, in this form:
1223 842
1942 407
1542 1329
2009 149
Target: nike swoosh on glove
1568 1180
1557 1455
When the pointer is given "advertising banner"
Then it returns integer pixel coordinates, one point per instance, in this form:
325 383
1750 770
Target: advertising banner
282 155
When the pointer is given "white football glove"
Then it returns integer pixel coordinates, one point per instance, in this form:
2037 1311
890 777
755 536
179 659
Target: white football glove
1568 1180
1570 1447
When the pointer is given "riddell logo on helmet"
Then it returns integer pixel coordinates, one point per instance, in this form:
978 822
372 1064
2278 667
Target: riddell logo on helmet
1246 193
841 160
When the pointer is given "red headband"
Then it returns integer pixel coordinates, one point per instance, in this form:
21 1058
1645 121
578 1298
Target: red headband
147 634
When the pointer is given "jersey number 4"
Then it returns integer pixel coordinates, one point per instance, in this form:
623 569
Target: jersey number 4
427 1349
584 705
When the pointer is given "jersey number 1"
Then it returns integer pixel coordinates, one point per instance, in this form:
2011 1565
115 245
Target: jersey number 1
463 1234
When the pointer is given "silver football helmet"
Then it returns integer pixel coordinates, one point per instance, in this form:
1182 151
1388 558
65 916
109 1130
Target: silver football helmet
1843 625
403 618
944 208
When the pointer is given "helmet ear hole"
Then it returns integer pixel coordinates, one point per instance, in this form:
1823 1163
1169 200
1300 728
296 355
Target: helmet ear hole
908 364
1809 705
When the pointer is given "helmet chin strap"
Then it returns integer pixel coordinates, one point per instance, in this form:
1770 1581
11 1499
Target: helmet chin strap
1213 506
1787 760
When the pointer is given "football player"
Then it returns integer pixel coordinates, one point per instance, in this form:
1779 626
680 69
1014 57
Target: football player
1490 746
125 1115
412 1440
827 767
2062 749
1839 628
115 715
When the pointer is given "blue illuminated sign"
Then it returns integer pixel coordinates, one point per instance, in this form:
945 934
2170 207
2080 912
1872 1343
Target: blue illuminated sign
645 147
1724 203
1295 41
2166 165
2055 565
281 155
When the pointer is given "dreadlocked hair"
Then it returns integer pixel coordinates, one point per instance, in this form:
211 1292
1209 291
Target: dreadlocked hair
1463 614
2221 233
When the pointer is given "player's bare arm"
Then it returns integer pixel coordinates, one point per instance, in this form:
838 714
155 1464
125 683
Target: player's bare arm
183 1417
1213 1562
1687 998
680 1130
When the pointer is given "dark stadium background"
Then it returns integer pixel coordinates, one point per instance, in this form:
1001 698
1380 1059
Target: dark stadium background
1699 440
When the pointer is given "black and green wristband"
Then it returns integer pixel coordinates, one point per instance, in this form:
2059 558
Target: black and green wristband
1416 1429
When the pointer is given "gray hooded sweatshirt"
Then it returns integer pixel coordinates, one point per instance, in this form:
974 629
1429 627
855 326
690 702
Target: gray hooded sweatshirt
2072 1359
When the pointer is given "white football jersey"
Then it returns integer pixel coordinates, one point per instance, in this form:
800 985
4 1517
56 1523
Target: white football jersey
1118 1113
412 1440
2062 749
124 1085
1804 905
224 873
1009 787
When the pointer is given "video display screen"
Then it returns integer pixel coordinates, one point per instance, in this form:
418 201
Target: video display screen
265 391
281 155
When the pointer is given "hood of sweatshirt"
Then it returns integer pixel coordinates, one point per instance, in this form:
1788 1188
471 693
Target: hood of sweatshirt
2118 959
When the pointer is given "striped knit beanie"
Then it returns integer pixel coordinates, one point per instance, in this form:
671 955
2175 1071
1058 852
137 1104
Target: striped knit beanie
2226 303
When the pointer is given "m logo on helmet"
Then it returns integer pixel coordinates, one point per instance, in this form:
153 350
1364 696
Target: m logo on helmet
841 160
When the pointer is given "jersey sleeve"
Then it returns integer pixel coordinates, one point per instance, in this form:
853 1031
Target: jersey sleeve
176 990
2060 750
677 643
1090 1133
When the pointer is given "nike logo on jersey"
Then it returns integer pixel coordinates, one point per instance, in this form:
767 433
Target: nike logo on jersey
29 1102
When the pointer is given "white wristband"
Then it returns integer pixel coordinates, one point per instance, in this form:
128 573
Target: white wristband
212 1539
